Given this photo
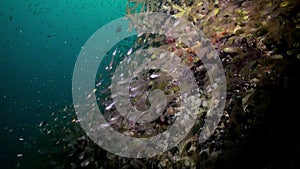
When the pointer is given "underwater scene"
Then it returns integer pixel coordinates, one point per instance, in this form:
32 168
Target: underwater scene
138 84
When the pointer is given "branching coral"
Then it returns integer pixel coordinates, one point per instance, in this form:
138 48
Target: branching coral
136 6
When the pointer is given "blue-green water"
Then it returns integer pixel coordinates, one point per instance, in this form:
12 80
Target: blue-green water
39 44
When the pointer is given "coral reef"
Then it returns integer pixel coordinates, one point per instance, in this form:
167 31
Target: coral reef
258 42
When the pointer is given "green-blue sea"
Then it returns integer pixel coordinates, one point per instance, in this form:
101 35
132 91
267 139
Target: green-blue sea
257 42
39 44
